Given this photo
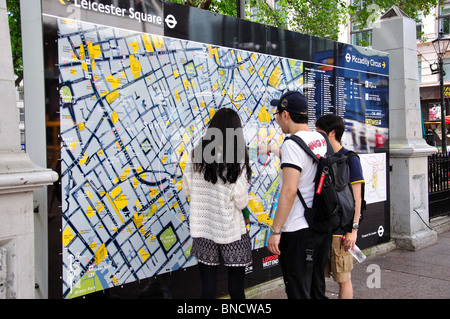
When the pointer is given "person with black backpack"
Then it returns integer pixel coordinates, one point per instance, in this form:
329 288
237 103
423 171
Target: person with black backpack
290 230
344 238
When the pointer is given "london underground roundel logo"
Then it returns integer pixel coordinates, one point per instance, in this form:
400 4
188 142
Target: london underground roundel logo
348 57
171 21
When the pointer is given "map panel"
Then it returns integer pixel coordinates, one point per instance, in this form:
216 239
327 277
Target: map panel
132 107
374 171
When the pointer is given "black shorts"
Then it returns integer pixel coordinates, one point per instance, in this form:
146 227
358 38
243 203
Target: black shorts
235 254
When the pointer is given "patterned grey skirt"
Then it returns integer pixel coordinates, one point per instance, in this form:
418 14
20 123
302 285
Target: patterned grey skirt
235 254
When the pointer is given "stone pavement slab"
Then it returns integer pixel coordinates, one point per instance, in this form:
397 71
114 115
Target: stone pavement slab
396 274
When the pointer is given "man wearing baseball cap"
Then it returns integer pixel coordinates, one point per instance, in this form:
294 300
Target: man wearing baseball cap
290 229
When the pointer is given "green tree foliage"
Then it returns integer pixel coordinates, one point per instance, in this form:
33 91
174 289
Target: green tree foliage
321 18
315 17
227 7
13 7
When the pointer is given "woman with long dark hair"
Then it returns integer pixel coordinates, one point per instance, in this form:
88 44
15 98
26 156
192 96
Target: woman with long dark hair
217 178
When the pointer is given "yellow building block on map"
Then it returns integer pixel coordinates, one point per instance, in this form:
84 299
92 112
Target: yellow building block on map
263 116
144 254
214 53
186 84
212 111
153 209
264 219
135 66
179 184
121 201
261 72
158 42
183 161
67 236
73 145
111 97
240 97
138 204
90 212
254 204
138 219
81 53
84 159
100 254
94 50
88 193
147 42
274 78
230 91
99 206
135 46
135 182
114 117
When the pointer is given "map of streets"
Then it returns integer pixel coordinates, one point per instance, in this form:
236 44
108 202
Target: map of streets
132 107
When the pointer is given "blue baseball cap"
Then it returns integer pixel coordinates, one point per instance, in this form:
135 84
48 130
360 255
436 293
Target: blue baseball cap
293 102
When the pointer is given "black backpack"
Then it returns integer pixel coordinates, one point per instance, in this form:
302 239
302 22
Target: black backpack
333 204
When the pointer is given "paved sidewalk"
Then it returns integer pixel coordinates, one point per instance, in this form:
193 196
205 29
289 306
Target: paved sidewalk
397 274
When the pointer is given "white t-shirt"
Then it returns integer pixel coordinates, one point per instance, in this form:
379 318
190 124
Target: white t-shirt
292 155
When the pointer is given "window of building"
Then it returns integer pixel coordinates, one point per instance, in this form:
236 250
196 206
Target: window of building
419 62
419 25
444 17
446 69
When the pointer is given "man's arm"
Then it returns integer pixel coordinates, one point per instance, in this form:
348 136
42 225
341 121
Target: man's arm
350 238
266 149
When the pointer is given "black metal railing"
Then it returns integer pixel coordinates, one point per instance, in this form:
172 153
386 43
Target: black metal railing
439 184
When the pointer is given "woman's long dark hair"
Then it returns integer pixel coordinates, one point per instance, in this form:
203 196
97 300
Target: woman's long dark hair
225 161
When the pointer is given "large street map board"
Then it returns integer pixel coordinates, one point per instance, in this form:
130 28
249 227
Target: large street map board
133 104
132 108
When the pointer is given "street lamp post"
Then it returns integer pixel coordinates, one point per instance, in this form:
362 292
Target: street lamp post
440 45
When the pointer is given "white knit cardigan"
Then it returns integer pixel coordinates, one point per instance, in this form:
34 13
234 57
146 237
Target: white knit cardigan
215 209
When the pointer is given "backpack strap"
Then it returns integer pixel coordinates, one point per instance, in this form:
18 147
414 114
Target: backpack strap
310 254
308 151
